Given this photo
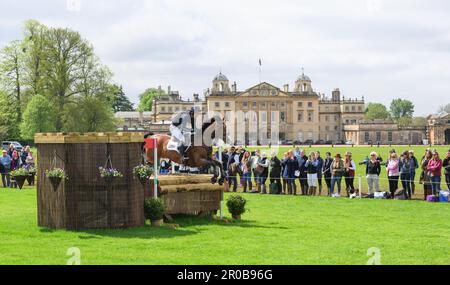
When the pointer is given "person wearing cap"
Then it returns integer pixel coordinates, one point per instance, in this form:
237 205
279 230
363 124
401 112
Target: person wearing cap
446 166
5 168
337 171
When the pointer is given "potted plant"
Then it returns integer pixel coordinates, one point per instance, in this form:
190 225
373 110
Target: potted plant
143 173
56 175
109 174
154 210
20 175
236 206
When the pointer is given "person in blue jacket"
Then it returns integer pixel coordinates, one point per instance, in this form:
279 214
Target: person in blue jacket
290 165
5 168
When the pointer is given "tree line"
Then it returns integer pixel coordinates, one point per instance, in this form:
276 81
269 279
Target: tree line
51 80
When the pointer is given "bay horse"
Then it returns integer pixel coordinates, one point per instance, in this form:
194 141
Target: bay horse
199 156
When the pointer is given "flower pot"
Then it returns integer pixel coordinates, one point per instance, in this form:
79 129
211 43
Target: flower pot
157 223
55 181
236 217
20 180
109 180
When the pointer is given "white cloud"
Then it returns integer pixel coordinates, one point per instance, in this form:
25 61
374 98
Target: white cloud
377 48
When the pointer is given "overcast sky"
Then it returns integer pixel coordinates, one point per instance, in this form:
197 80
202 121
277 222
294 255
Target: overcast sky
377 48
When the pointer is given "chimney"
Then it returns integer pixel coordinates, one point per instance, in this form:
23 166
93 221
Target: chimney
336 95
168 90
196 99
286 88
234 87
141 117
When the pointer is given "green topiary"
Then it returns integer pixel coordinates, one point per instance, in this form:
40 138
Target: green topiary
236 205
154 209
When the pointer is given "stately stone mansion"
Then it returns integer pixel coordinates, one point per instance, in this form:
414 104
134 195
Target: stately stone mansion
300 114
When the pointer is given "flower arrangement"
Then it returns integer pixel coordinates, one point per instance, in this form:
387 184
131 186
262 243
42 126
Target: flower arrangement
236 206
143 172
19 172
55 173
109 173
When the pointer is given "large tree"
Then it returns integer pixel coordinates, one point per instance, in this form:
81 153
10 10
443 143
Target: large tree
88 114
376 111
120 102
38 117
146 98
8 115
12 72
401 108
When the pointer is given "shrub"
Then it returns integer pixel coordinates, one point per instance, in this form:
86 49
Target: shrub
236 205
154 209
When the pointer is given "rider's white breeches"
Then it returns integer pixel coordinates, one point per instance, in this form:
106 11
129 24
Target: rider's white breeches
177 134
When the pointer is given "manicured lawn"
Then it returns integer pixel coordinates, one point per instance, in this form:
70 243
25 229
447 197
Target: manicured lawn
276 230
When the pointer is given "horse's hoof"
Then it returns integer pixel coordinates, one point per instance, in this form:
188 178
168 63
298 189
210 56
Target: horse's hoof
221 180
213 180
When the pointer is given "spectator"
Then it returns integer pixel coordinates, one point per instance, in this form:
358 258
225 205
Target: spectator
414 166
303 177
25 153
290 165
233 167
262 176
435 171
446 166
29 161
405 165
255 159
224 159
424 177
275 172
16 161
5 168
326 170
349 172
337 171
393 172
373 170
311 166
11 150
246 166
319 171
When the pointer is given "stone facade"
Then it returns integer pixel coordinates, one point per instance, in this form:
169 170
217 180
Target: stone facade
383 132
439 128
302 114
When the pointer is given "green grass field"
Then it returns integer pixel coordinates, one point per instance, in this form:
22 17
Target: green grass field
276 230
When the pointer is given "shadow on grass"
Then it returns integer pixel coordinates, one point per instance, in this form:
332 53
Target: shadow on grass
192 221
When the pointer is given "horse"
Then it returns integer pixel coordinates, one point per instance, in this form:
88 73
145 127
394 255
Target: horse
199 156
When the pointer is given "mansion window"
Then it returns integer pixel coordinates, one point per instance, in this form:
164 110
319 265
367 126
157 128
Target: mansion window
274 104
263 105
359 108
310 116
282 116
336 117
177 109
366 136
327 118
282 104
300 104
217 104
310 104
389 136
378 136
170 109
310 135
163 109
327 128
353 108
300 117
254 104
264 117
245 104
227 104
346 108
273 117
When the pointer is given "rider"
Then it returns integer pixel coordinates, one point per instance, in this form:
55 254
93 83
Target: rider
179 129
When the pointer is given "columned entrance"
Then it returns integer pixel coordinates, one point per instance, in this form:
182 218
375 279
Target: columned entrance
447 136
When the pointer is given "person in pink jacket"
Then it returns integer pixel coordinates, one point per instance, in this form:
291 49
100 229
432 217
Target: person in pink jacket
393 172
435 172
